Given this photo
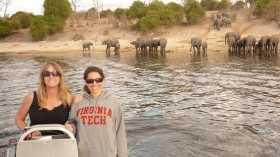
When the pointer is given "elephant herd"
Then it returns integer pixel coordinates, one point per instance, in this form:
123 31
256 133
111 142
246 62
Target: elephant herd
143 44
109 43
221 20
267 45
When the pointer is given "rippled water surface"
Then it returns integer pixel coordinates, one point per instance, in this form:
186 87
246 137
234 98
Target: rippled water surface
175 104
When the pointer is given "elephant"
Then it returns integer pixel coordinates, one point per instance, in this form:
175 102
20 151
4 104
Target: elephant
137 45
143 42
231 44
226 22
195 43
225 15
117 48
240 45
154 44
204 47
250 41
111 43
273 42
162 43
87 46
236 35
218 23
263 44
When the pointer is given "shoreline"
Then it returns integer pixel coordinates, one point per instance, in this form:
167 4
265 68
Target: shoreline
178 37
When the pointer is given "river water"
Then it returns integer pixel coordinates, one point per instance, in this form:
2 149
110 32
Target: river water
175 105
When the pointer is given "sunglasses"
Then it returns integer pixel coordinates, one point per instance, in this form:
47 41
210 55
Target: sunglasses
49 73
97 80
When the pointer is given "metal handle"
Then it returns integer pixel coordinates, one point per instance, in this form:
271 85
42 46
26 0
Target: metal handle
44 127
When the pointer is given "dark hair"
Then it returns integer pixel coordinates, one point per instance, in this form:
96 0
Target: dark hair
93 69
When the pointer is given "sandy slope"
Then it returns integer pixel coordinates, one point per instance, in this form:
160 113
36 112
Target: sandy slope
178 36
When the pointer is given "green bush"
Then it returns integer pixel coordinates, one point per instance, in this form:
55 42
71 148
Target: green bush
14 25
57 8
270 9
176 11
149 22
194 11
156 5
137 10
106 13
39 28
5 28
159 15
239 4
55 14
120 13
25 19
90 13
208 4
55 24
165 17
223 5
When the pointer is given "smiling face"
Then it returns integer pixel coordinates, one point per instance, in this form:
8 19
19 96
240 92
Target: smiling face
51 79
95 87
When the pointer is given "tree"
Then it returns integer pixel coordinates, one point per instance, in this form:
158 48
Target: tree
239 4
1 5
137 10
39 28
223 5
56 13
250 2
57 8
194 11
176 11
272 10
120 13
5 4
24 19
98 6
208 4
75 5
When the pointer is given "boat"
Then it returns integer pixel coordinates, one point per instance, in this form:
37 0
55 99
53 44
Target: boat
59 145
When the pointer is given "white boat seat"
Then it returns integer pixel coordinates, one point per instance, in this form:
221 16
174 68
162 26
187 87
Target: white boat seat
47 146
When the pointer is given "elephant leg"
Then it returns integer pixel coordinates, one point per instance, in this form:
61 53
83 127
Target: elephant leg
109 47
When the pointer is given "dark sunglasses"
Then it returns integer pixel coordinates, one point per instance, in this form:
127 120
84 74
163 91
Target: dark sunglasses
49 73
97 80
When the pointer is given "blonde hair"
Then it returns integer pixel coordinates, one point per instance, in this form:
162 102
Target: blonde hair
63 90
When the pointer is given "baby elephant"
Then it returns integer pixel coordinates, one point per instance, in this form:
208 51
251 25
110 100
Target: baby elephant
204 46
87 46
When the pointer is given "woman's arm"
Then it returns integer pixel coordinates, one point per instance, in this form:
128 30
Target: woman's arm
23 111
75 99
121 133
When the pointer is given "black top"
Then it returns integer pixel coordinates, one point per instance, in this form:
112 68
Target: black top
58 115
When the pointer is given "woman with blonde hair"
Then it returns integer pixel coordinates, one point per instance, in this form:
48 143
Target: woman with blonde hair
50 104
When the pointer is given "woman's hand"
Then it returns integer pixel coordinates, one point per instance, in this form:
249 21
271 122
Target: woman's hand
36 133
69 127
78 98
